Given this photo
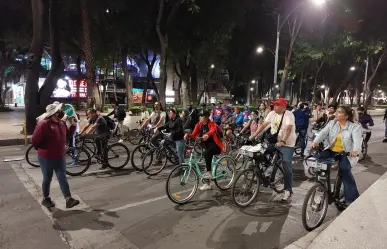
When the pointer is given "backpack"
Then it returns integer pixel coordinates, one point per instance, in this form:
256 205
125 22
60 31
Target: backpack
121 114
110 123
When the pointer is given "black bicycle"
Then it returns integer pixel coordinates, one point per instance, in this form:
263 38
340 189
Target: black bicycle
321 194
265 168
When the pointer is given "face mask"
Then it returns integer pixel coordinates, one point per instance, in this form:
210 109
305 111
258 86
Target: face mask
360 113
61 114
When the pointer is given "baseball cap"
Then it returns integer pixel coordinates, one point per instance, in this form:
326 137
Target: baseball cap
280 102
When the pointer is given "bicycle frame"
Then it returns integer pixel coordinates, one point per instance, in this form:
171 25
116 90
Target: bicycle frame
324 178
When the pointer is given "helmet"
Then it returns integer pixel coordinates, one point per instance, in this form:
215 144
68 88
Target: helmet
228 108
204 113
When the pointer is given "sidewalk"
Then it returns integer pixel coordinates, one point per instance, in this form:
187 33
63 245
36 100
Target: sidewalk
11 124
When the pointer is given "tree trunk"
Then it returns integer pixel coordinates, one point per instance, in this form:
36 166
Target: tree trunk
300 92
185 89
92 88
128 83
194 82
79 78
2 71
177 92
33 65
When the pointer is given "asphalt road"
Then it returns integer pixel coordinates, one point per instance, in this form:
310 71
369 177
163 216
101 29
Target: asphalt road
126 209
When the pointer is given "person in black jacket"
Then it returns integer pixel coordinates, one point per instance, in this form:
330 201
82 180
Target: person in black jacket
120 115
175 126
365 120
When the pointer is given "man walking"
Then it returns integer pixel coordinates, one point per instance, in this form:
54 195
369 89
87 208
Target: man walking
49 139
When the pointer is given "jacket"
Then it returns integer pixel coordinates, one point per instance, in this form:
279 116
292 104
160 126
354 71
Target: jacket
239 119
351 135
175 127
301 119
366 120
212 133
49 139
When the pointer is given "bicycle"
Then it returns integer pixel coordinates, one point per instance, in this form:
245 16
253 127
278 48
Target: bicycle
262 158
222 167
329 195
240 157
364 145
32 157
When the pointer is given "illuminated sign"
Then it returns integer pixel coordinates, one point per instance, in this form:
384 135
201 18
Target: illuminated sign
67 88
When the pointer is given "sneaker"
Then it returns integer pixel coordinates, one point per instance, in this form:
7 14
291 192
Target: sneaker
71 202
47 202
120 141
205 187
103 167
207 175
287 196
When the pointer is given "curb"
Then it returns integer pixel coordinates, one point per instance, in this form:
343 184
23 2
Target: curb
13 141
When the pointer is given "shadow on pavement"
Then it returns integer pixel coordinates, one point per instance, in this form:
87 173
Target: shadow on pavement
73 220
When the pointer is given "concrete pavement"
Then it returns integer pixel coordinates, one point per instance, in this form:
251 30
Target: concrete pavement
126 209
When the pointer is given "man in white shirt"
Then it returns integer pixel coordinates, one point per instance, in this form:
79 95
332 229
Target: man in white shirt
286 139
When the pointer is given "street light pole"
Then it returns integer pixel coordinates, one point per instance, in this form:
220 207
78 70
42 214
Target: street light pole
276 55
365 81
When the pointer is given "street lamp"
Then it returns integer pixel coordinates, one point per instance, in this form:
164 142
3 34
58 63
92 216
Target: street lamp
260 50
322 87
253 82
276 86
319 2
352 68
212 66
251 89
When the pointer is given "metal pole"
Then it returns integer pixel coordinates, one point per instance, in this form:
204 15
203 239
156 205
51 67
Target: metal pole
365 92
276 53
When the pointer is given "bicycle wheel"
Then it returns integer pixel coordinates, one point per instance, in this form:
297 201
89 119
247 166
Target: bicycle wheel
78 161
225 171
90 147
117 156
32 157
297 147
364 149
137 155
181 177
339 194
240 159
246 184
134 136
317 203
277 177
154 161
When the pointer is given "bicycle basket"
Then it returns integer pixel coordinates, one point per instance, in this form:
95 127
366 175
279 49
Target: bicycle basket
251 151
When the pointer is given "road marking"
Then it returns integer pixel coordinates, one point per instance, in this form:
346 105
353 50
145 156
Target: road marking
252 227
73 231
136 204
12 159
375 141
265 226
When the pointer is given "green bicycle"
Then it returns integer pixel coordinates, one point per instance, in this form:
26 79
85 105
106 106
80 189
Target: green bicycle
188 174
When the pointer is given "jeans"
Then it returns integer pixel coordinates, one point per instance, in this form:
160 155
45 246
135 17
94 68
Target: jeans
209 153
302 135
48 166
120 128
180 149
350 189
367 136
287 161
99 141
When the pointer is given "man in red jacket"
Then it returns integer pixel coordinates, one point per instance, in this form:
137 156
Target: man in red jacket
49 139
207 130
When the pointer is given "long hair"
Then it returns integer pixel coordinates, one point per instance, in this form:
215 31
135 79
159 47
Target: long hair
348 111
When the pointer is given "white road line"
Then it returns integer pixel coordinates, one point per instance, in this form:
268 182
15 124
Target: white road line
371 142
80 238
137 204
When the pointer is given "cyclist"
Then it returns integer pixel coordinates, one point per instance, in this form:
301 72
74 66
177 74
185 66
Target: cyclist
328 116
342 134
238 118
175 127
192 116
252 124
207 130
365 120
228 122
262 112
385 123
246 114
97 126
144 115
217 113
302 116
286 139
119 114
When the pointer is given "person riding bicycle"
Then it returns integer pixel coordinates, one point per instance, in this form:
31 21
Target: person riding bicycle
97 126
192 116
246 114
217 113
365 120
283 126
252 124
228 122
262 112
119 114
385 124
238 118
328 116
144 115
207 130
342 135
156 119
302 116
175 127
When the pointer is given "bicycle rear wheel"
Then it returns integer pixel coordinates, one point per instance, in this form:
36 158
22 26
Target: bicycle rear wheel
134 136
317 203
239 158
182 176
225 171
246 184
117 156
78 161
32 157
277 178
137 155
154 161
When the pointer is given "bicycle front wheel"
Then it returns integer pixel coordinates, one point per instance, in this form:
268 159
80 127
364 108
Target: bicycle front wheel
154 161
182 184
117 156
134 136
245 188
225 171
317 200
137 155
78 161
32 157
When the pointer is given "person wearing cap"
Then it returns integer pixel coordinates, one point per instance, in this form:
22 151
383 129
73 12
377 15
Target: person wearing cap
207 130
286 139
49 139
217 113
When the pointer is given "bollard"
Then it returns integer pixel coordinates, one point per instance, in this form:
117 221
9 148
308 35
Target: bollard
25 133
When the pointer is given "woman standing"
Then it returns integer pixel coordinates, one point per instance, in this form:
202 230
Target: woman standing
342 135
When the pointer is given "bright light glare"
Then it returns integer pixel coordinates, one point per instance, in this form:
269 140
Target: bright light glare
107 11
276 86
253 81
352 68
380 91
322 87
260 50
319 2
212 66
251 89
